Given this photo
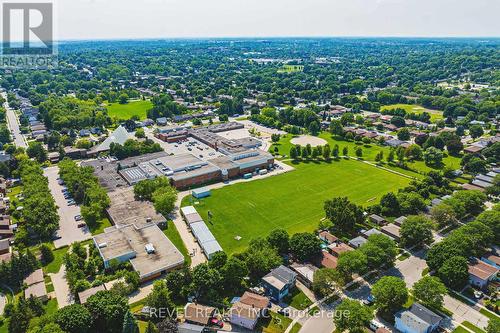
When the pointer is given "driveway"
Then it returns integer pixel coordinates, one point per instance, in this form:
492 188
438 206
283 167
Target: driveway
68 228
410 269
464 312
13 123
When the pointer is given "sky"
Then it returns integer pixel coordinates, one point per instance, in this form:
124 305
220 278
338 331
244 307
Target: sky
137 19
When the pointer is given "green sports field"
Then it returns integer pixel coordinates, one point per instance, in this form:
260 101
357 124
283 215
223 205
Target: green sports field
126 111
418 109
293 201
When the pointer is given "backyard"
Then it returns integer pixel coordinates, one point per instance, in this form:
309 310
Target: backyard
293 201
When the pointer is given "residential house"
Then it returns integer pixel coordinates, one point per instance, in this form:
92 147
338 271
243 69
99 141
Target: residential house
305 273
327 260
338 247
392 230
368 233
399 221
377 219
279 282
491 259
356 242
327 237
417 319
198 314
248 309
481 273
36 285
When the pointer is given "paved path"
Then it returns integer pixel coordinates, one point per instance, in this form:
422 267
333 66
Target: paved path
3 301
61 288
13 123
68 228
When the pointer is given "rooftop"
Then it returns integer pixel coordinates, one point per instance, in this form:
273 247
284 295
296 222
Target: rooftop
35 277
481 269
131 241
125 209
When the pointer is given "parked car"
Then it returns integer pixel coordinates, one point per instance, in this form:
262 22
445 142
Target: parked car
78 217
369 301
60 182
82 224
71 202
216 322
284 312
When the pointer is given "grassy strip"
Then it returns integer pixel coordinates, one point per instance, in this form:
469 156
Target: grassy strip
489 314
472 327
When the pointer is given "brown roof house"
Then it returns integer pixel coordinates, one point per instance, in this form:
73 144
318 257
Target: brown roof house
36 285
338 247
247 311
392 230
481 273
198 314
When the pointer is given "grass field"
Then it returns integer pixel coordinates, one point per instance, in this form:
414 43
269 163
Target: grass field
99 228
369 153
126 111
418 109
55 265
293 201
472 327
276 323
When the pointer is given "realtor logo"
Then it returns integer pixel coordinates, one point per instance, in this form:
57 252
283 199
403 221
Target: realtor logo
28 35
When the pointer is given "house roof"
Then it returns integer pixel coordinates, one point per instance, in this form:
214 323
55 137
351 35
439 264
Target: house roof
370 232
425 314
493 258
4 244
357 241
481 269
328 236
400 220
198 313
328 260
244 310
377 218
338 248
84 295
119 135
35 277
280 277
257 301
37 290
392 230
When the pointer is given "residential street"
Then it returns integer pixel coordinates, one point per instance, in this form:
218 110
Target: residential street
68 227
13 123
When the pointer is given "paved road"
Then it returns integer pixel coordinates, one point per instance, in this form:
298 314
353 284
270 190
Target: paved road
68 229
61 288
13 123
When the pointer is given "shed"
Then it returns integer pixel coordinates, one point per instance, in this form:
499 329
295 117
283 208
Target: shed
201 192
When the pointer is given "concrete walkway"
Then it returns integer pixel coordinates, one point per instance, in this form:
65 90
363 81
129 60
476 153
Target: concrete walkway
61 288
3 301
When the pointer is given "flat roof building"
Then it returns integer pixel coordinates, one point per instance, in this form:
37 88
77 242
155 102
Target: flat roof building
149 251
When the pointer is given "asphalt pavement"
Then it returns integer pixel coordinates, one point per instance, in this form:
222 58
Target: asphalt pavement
13 123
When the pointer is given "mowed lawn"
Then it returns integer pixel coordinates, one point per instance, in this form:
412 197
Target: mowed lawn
293 201
418 109
132 108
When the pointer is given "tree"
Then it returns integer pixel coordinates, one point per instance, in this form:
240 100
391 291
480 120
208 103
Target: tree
160 301
390 294
293 153
326 281
218 260
233 274
411 202
475 165
416 231
354 317
206 283
305 246
476 131
343 213
123 98
139 133
379 250
493 325
107 310
129 324
314 127
345 151
390 204
454 272
444 215
352 262
398 121
491 218
326 152
304 153
74 318
260 258
46 254
454 146
151 328
359 152
429 290
404 134
168 326
37 151
336 128
275 137
414 152
164 200
335 151
280 240
433 156
390 157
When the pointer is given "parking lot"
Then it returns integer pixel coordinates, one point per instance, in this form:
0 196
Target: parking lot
188 146
68 231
